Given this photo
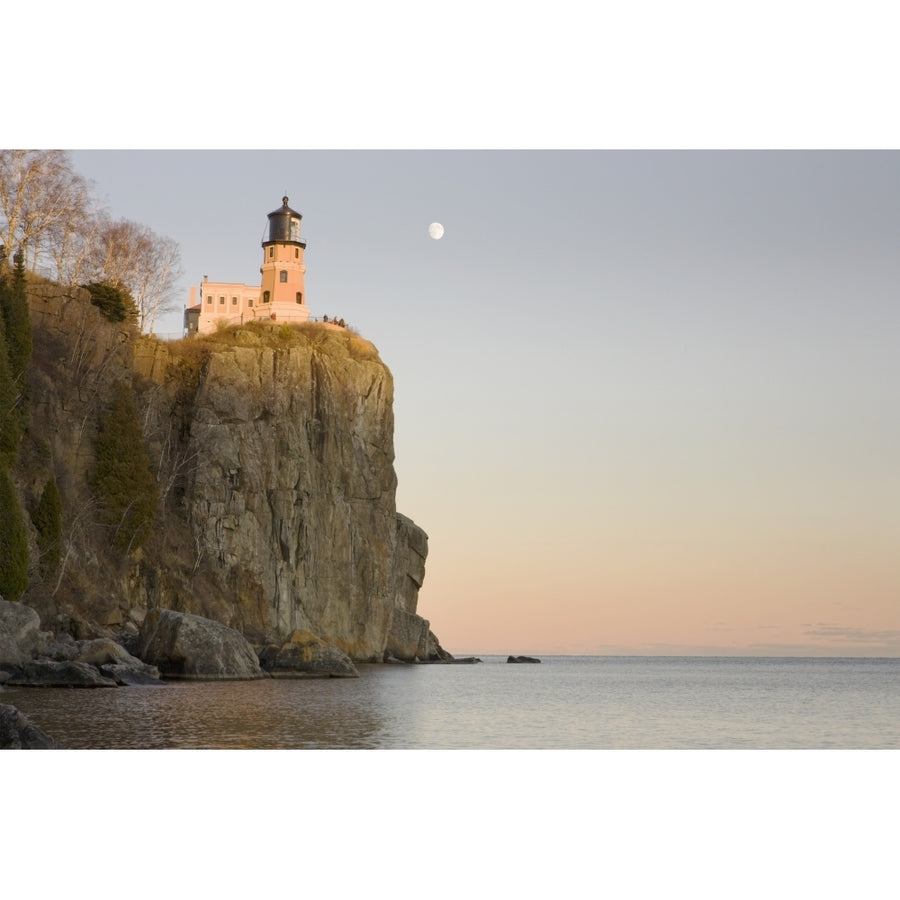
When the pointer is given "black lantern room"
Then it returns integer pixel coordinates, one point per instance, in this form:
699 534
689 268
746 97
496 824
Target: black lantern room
284 226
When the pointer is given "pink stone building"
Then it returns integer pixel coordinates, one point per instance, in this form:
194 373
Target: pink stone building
280 297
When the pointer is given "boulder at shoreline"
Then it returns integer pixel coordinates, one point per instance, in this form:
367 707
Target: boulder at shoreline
303 655
19 631
193 648
17 732
30 657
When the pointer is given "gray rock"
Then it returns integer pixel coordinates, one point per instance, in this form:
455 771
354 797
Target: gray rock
522 659
408 637
20 626
292 491
304 655
11 654
78 628
17 732
127 673
115 662
58 647
282 473
436 653
451 661
102 651
49 673
192 647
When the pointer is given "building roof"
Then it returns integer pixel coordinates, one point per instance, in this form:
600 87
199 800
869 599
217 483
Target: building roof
284 209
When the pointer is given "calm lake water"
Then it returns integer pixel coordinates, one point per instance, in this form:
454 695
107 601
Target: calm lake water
566 702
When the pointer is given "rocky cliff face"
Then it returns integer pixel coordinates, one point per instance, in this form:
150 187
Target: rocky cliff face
273 447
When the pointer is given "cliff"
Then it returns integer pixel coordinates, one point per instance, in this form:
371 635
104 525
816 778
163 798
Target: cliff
272 450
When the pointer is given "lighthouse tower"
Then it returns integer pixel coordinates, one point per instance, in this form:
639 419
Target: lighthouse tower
282 295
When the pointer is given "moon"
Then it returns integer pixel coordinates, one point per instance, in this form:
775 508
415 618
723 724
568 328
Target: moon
436 230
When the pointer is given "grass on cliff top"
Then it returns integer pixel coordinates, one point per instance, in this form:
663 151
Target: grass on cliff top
344 342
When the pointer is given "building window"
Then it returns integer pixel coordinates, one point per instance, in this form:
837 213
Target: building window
221 301
282 276
299 297
208 301
265 296
234 301
250 302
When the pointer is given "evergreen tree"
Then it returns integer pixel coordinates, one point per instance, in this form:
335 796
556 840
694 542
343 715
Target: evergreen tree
123 476
3 285
10 422
47 521
18 323
114 301
13 542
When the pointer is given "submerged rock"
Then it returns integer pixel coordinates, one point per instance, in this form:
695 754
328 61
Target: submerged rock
305 655
191 647
17 732
448 660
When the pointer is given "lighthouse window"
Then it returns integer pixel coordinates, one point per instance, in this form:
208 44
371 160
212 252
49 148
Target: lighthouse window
299 297
282 276
271 252
265 296
296 253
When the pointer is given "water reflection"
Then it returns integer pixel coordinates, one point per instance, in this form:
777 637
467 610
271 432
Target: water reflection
566 703
275 713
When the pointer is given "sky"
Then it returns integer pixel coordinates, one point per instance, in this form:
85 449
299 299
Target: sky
644 400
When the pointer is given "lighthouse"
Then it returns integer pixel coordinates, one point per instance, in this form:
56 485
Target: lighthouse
282 294
280 298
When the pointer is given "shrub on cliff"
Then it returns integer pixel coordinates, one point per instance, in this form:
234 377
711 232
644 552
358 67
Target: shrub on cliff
123 477
114 301
13 542
47 521
315 335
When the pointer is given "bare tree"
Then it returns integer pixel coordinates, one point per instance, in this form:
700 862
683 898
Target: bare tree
153 289
39 192
46 208
135 257
71 245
